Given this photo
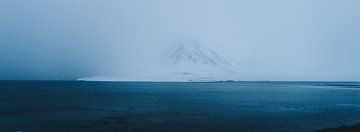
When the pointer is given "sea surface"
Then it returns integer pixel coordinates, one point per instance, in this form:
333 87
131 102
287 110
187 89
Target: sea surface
74 106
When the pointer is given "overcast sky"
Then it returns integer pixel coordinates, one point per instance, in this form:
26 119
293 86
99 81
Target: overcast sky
69 39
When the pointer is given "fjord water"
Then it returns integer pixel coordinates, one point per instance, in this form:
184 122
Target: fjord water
58 106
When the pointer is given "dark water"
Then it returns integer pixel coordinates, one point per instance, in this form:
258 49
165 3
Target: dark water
52 106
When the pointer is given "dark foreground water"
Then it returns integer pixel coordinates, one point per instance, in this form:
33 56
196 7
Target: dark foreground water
51 106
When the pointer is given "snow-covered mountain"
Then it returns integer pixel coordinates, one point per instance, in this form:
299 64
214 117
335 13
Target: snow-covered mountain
188 61
192 52
192 60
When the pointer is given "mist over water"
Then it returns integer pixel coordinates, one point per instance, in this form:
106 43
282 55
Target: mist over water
278 40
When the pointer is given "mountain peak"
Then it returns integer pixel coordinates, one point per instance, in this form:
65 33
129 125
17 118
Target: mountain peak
191 52
191 45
